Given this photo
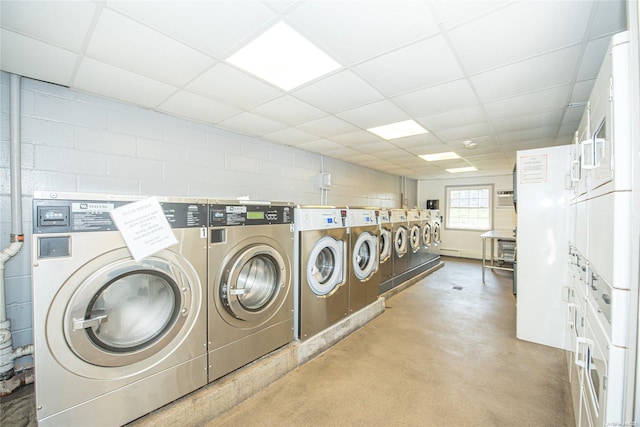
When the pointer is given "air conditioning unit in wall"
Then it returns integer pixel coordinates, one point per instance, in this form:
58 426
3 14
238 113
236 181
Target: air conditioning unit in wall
504 198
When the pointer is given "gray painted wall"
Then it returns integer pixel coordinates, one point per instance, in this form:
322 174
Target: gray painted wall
77 142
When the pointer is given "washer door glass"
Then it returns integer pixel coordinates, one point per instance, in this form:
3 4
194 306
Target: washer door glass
426 235
436 232
127 311
385 245
132 311
365 256
252 286
400 241
415 238
325 269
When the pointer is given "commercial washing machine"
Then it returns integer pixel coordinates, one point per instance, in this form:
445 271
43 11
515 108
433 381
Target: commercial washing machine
115 338
364 276
434 248
250 282
400 232
385 244
322 290
425 235
415 244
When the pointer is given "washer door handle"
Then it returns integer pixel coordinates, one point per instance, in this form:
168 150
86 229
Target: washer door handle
236 291
89 323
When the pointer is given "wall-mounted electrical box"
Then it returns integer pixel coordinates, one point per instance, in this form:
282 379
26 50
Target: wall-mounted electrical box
324 180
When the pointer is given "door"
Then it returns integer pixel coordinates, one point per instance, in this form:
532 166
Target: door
400 241
326 266
253 285
116 312
414 239
426 235
436 232
385 244
365 256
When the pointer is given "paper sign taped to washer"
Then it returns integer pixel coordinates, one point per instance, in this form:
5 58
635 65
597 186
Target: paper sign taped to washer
144 227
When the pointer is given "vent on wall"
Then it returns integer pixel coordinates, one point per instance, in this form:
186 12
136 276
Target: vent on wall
504 199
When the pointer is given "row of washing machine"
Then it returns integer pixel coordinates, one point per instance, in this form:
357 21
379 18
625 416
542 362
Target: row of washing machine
125 336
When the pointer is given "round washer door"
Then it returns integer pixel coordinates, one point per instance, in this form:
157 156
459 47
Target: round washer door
253 284
384 244
436 232
326 266
127 311
414 238
426 235
364 260
400 241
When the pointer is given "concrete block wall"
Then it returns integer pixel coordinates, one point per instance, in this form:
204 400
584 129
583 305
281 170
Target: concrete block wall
77 142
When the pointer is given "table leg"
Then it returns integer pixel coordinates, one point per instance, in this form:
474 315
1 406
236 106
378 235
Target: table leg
484 245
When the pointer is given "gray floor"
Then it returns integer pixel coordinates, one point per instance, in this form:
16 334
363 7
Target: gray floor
443 353
438 355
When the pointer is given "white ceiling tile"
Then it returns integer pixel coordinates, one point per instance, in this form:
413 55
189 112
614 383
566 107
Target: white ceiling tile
289 110
453 13
573 116
592 59
528 122
61 23
338 92
353 31
582 91
320 146
531 103
251 124
290 136
357 138
411 67
376 147
342 153
549 70
147 52
104 79
232 86
214 27
454 118
186 104
327 127
374 114
32 58
610 17
461 133
529 134
521 30
447 96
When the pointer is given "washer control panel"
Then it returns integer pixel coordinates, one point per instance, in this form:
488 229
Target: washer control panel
247 214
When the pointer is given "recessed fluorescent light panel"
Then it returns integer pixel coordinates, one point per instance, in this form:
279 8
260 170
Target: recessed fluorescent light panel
439 156
283 57
398 130
458 170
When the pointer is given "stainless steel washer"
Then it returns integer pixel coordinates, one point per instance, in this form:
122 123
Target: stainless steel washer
425 235
400 231
434 248
115 338
322 291
364 276
385 244
415 243
250 282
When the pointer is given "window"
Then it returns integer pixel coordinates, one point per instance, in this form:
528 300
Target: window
469 207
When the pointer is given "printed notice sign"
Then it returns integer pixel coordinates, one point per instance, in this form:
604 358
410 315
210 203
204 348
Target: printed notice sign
144 227
533 169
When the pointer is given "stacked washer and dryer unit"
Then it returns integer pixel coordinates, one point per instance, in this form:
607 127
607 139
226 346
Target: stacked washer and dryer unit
115 338
600 286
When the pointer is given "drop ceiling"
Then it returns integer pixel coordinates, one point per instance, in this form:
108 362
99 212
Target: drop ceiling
499 73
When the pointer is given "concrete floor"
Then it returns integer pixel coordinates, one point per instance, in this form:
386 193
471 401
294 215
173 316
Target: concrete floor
444 352
438 355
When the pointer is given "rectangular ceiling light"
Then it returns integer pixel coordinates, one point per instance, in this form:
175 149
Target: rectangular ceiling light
439 156
398 130
284 58
465 169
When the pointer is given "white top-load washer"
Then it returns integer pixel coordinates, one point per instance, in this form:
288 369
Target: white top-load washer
321 269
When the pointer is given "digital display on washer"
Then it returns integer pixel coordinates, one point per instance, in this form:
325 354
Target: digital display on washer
255 215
